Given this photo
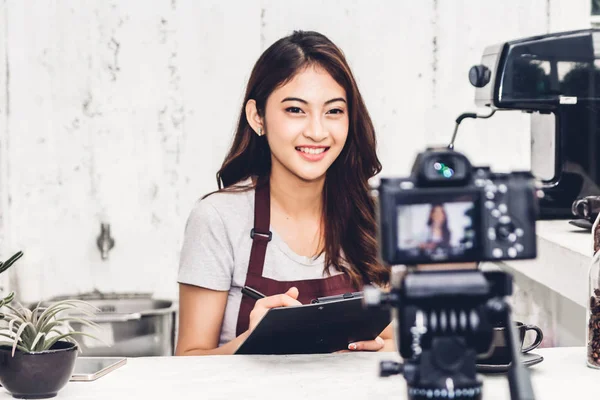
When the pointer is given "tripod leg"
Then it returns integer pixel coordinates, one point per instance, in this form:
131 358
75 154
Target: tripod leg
519 380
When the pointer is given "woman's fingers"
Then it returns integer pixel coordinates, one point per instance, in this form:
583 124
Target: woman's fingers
293 292
262 306
369 345
280 300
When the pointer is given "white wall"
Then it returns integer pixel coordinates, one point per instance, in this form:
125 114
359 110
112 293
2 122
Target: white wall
123 111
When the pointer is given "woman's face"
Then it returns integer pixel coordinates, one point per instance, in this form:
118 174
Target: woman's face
307 124
437 215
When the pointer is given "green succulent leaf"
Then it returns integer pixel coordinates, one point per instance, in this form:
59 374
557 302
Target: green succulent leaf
7 299
9 344
49 327
19 313
14 324
8 335
35 313
8 263
18 336
38 337
28 314
65 305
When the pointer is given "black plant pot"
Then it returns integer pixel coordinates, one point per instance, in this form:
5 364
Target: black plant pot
37 375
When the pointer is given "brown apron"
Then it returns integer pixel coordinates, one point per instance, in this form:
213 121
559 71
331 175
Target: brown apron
261 236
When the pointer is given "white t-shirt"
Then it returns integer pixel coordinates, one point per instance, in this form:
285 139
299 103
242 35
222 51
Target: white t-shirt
216 251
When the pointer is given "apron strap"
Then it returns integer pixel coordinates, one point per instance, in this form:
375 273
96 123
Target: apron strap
260 234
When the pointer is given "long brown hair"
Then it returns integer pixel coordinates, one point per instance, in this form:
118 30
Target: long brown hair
445 230
348 209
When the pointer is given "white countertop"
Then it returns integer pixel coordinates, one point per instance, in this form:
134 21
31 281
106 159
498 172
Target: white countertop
562 375
564 256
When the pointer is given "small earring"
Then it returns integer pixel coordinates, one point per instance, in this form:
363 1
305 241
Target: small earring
260 133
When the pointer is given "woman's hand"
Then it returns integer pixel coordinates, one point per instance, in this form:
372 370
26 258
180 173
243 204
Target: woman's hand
368 345
383 342
263 305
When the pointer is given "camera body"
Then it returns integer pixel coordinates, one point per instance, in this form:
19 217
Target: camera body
448 211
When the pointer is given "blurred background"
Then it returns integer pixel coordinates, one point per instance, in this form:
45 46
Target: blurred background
120 113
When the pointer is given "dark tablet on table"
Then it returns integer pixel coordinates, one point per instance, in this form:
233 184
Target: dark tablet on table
315 328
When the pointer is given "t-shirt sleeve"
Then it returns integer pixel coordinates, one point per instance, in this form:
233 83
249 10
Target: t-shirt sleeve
206 258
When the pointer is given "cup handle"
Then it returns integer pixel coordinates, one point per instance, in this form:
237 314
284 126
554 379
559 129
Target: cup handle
538 339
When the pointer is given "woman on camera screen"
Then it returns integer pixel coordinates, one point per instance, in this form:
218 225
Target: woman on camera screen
293 217
437 234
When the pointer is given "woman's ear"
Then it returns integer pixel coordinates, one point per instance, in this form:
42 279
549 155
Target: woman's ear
254 118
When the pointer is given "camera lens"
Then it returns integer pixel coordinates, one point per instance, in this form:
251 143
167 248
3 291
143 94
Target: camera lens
444 169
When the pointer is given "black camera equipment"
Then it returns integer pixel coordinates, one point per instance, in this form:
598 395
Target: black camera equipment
449 211
492 215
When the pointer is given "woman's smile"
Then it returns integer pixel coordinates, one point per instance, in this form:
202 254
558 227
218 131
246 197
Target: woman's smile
312 153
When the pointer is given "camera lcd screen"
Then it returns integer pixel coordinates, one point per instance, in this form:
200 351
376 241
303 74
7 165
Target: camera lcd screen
444 230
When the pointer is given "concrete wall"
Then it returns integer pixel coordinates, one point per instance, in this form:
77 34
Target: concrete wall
121 112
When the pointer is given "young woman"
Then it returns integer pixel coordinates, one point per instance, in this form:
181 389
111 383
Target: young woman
437 233
293 217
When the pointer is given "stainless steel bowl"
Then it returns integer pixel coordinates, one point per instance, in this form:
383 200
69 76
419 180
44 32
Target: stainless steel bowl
134 325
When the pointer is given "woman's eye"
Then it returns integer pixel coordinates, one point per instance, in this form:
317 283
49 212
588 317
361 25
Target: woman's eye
294 110
336 111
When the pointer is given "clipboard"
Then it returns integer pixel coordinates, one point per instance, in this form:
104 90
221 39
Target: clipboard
327 325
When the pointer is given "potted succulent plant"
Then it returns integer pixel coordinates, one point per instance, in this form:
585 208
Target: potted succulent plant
38 347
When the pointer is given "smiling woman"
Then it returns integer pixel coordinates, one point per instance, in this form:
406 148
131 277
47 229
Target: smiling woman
293 217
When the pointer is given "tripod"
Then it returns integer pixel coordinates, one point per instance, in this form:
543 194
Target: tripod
445 322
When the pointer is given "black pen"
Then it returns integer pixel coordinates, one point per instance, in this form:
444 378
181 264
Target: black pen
255 294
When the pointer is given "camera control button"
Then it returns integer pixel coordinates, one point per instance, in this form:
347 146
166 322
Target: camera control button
489 204
491 234
512 252
490 195
519 232
502 188
497 253
512 237
503 231
479 182
505 219
496 213
519 247
503 208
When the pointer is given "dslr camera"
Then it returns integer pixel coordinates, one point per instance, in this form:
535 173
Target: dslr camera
450 211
